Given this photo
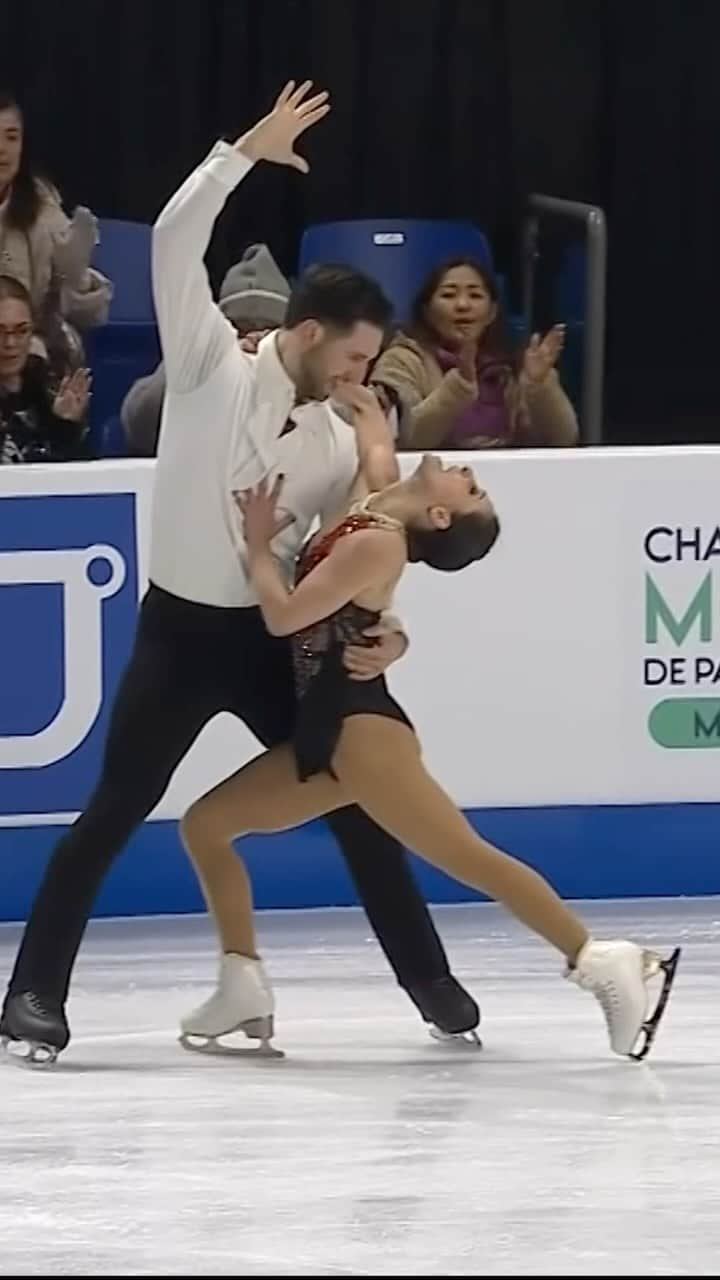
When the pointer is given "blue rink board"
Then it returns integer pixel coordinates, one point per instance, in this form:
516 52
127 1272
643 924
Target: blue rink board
586 851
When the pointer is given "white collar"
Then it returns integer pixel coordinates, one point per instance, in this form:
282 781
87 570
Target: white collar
274 383
276 396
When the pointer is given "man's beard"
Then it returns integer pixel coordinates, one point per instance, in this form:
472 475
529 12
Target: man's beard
312 380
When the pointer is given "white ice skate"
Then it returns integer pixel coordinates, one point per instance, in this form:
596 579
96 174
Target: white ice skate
243 1002
617 974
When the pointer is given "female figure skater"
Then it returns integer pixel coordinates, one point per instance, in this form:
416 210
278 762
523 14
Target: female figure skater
353 743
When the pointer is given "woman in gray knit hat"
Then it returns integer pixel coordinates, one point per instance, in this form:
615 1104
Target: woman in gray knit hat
254 297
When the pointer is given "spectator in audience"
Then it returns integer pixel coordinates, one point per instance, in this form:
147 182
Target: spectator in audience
37 423
253 296
460 385
48 252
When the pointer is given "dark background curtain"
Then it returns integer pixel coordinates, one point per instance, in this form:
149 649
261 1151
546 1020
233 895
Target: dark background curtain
440 108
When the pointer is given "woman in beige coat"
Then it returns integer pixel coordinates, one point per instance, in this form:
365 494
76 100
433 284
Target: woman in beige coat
460 386
45 250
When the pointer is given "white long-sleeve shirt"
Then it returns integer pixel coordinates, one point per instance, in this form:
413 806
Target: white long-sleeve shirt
223 415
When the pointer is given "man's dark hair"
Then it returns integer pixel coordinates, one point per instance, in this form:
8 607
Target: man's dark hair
339 297
466 539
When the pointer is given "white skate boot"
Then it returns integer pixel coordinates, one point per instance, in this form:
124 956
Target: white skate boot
617 974
243 1002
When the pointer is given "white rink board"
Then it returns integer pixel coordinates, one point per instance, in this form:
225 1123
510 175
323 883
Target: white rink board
526 673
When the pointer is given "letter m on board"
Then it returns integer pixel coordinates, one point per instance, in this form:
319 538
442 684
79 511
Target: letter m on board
658 611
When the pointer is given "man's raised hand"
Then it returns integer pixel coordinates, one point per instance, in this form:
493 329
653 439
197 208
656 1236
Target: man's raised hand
273 138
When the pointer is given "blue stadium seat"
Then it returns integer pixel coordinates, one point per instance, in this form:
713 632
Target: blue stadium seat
127 347
124 255
398 252
111 440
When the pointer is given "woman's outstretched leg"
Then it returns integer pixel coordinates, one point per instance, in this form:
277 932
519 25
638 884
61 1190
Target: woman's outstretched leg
378 762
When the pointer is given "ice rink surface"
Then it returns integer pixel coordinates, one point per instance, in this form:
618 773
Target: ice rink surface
370 1149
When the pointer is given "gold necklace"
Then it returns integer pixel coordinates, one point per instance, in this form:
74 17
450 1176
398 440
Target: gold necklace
378 517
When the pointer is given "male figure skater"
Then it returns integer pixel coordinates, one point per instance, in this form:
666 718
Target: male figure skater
228 420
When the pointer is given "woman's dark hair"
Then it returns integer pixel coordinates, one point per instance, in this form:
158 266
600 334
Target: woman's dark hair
15 289
467 538
495 342
26 193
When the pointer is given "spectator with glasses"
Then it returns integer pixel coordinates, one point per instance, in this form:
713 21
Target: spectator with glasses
40 421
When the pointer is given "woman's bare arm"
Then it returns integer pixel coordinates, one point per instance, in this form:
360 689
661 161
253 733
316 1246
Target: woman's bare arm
362 560
377 460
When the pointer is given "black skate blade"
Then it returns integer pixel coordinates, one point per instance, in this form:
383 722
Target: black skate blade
214 1048
31 1054
649 1028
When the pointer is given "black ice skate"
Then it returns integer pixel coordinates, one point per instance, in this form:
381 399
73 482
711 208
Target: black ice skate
33 1030
450 1011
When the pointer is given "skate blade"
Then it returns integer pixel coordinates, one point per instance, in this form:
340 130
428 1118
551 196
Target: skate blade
260 1029
33 1054
463 1039
650 1026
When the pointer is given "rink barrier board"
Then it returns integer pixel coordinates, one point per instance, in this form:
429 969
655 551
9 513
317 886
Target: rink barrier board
566 690
587 852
